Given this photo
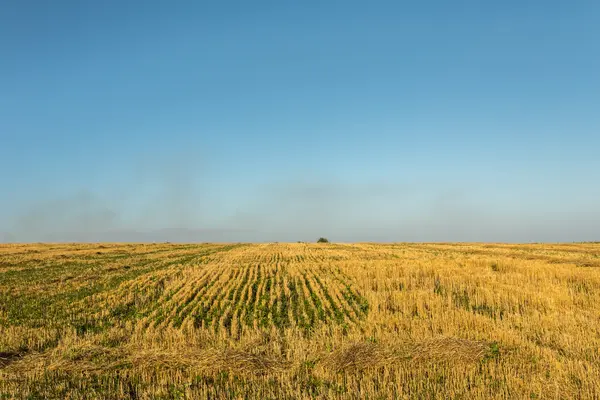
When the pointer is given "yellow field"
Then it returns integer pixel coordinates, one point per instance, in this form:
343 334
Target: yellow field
469 321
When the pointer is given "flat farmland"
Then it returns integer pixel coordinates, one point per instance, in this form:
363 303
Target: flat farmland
300 320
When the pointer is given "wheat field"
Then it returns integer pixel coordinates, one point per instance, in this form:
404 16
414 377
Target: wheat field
298 320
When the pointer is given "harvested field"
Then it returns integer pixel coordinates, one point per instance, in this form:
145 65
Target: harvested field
471 321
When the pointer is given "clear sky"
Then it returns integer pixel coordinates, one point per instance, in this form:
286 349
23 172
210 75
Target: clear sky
284 121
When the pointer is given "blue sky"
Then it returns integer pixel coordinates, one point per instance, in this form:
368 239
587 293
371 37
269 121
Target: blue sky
254 121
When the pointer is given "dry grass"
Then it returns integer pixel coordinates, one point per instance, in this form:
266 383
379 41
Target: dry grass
300 321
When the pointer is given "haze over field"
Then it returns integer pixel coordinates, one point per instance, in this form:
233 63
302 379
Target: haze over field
284 122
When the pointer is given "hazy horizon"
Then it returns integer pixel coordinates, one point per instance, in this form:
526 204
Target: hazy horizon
437 122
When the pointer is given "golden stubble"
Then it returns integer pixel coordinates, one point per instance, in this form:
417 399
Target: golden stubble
301 320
